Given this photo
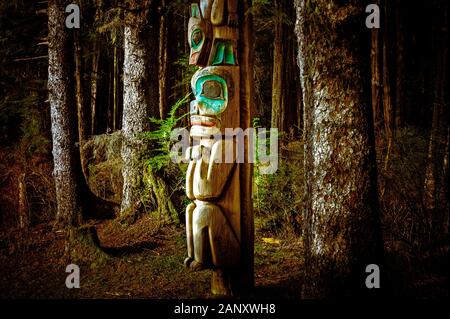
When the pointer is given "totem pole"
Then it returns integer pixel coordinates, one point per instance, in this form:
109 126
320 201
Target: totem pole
213 220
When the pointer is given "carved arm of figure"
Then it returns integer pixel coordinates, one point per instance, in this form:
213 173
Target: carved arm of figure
206 177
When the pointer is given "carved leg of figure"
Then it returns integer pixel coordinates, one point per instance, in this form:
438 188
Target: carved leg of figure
189 235
200 222
214 240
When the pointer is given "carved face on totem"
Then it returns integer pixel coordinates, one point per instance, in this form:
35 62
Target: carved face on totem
212 88
199 36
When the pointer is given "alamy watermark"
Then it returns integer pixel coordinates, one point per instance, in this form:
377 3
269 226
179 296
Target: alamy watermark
73 279
73 18
373 279
251 145
373 19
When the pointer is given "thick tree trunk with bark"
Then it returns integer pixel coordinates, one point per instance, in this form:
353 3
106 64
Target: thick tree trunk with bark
134 115
341 215
62 107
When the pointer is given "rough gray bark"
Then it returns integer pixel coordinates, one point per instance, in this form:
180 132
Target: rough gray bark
342 231
62 106
135 109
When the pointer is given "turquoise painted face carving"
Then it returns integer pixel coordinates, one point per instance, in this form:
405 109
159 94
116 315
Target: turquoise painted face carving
211 94
212 88
211 98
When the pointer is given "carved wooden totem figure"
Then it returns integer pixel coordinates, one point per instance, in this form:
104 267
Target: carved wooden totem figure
213 220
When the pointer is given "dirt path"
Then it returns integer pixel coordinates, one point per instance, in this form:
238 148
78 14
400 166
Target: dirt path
141 261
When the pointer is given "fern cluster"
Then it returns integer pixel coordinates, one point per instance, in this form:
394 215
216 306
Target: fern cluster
161 154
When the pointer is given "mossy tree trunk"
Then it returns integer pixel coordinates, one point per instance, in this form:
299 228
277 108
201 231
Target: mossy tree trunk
342 227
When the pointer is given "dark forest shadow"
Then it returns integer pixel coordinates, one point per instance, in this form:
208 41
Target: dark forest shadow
130 249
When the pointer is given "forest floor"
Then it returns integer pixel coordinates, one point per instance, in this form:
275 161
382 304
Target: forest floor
139 261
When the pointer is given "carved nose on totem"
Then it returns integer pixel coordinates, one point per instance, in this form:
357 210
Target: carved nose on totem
200 108
194 107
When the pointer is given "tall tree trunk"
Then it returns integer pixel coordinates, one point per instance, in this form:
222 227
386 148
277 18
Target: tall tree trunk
400 65
94 85
135 108
342 223
247 102
24 215
62 107
82 125
376 83
163 59
95 74
110 101
117 89
388 108
285 80
278 71
81 106
434 188
292 104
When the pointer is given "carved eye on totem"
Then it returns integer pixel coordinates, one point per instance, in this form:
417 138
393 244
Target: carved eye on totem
196 38
211 93
212 90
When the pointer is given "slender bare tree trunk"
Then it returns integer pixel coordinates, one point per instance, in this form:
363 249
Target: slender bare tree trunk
24 216
388 108
400 65
278 72
376 83
163 60
435 197
82 129
247 105
115 91
94 84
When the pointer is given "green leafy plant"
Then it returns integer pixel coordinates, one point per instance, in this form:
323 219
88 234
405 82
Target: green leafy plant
161 153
